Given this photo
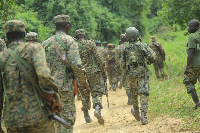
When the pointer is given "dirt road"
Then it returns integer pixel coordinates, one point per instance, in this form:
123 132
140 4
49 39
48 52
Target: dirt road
118 119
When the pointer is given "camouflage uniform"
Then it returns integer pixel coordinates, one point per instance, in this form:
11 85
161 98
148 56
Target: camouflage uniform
93 63
135 62
2 45
112 67
23 109
160 54
64 75
32 36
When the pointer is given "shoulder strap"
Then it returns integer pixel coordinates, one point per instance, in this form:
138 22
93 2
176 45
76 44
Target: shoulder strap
63 57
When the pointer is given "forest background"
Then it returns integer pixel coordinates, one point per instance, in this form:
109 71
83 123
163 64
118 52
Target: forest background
105 20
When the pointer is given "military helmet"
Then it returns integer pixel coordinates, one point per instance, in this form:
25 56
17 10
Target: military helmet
14 26
132 33
98 42
153 38
31 36
110 45
122 36
80 31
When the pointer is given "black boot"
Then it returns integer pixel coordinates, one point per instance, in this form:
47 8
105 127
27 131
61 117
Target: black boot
195 99
129 100
97 114
136 114
144 118
87 116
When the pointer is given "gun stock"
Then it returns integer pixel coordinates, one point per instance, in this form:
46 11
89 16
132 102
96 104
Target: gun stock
106 90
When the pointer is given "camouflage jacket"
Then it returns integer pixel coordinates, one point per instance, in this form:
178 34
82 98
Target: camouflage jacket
159 50
2 45
90 56
145 56
25 107
111 54
59 71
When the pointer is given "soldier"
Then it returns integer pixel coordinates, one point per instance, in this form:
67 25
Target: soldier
95 72
2 45
192 71
32 37
24 109
135 64
125 84
111 68
160 54
65 64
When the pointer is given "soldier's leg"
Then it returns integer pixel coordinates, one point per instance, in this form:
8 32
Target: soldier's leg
155 65
161 67
134 98
190 80
96 87
42 127
86 104
69 109
143 91
128 92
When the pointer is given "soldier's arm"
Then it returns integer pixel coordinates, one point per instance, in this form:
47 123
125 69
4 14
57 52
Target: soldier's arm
190 56
75 61
43 72
148 52
98 57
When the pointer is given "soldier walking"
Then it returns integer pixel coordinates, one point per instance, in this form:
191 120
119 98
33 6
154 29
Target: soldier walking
65 64
134 61
160 54
95 72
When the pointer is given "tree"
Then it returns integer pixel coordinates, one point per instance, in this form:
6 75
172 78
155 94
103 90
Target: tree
180 12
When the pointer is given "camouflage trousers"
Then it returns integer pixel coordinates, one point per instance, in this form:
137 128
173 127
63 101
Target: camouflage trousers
96 89
191 79
158 65
69 108
41 127
139 86
119 73
112 73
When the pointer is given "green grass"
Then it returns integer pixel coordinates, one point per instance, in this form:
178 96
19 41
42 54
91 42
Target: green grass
169 97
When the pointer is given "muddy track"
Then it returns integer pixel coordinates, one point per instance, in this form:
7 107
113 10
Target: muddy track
118 119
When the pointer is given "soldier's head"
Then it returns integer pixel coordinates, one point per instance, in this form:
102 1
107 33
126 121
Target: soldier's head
193 26
110 46
80 34
132 34
105 44
62 23
153 38
15 30
32 37
123 38
98 43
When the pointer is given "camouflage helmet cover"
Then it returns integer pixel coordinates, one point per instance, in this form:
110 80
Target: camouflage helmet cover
80 31
31 36
132 33
110 45
14 26
153 38
62 18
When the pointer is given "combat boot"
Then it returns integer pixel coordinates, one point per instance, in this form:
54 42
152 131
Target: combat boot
87 116
97 114
195 99
136 114
129 100
144 118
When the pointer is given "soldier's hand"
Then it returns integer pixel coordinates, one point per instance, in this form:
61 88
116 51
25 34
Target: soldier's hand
186 70
86 86
104 75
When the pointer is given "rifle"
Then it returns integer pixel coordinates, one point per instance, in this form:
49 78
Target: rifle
105 88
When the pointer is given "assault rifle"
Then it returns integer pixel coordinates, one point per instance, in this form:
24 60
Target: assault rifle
105 88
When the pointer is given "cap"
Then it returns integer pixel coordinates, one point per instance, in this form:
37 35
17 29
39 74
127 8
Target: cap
31 36
122 36
153 38
61 18
14 26
80 31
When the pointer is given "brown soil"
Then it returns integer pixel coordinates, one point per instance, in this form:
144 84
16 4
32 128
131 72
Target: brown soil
118 119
